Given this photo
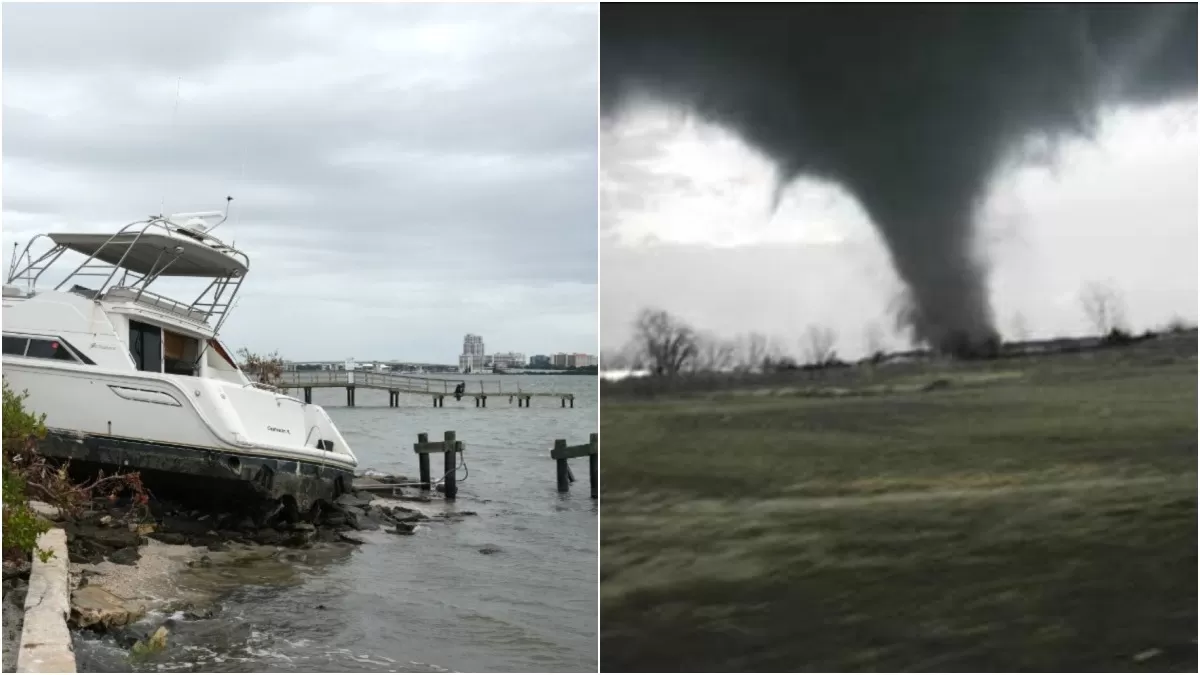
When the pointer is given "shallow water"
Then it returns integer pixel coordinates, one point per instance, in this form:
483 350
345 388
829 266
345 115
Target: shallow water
428 602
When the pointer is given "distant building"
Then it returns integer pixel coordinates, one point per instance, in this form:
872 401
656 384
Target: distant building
473 357
507 360
580 360
559 360
539 361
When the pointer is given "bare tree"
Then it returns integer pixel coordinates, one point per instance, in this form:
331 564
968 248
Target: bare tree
667 343
818 345
750 351
1102 305
713 354
266 369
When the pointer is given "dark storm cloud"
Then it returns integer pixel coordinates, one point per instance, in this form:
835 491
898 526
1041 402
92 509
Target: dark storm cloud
448 147
912 108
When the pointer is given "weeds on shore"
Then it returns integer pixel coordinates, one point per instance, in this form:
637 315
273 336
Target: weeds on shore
28 475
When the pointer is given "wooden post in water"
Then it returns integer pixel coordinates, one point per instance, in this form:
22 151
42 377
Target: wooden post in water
594 464
423 461
561 453
564 480
450 481
308 394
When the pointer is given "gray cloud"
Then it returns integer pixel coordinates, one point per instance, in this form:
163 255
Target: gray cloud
424 170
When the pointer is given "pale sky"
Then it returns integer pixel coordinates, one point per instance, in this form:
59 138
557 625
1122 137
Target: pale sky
687 225
402 174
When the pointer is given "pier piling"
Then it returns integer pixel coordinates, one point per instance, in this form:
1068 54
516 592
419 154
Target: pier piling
562 452
308 394
594 466
423 462
450 447
451 465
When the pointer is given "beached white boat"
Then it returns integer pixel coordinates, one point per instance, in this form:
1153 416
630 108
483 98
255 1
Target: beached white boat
137 380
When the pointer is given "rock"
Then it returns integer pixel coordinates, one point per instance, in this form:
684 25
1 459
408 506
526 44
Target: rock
489 550
269 536
303 527
301 538
349 538
18 569
218 546
246 524
125 556
403 528
106 521
351 499
169 537
199 614
95 607
335 520
328 536
45 510
107 537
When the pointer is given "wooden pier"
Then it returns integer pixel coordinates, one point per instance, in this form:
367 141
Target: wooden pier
438 389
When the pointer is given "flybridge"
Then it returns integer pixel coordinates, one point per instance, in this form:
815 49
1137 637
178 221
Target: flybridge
128 262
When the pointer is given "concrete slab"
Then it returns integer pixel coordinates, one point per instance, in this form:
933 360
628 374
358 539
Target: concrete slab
45 641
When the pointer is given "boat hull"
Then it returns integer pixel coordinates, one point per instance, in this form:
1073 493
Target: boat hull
221 471
190 427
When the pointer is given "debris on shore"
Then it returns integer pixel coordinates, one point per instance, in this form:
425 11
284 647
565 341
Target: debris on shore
126 557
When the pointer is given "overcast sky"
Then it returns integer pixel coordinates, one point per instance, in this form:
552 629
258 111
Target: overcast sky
687 226
402 174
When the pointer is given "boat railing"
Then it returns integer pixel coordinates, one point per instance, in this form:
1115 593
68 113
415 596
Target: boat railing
211 307
155 301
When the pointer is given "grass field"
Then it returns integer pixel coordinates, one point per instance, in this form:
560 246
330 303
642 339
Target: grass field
1033 514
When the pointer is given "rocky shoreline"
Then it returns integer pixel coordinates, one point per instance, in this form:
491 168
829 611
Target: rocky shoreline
16 586
125 558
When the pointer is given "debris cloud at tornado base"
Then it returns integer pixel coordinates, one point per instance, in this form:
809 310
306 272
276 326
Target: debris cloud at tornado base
913 109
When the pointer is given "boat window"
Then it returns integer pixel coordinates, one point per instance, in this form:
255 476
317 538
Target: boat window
49 349
180 354
15 345
145 346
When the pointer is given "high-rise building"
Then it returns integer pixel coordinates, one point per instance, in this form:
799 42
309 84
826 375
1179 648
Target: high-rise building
473 357
507 360
559 360
539 361
580 360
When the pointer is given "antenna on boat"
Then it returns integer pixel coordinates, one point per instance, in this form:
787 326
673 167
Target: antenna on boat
228 203
12 264
162 205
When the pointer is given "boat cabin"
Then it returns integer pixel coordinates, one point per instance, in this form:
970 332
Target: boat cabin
157 333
